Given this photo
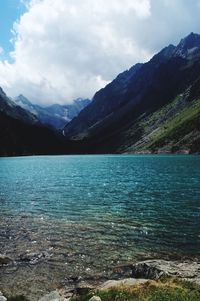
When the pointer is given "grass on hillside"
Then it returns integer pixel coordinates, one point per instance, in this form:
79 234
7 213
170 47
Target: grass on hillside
161 112
182 123
165 290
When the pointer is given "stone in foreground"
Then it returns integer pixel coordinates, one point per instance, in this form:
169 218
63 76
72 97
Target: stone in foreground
154 269
118 283
95 298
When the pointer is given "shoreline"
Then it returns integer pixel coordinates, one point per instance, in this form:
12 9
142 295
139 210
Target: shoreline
136 153
134 274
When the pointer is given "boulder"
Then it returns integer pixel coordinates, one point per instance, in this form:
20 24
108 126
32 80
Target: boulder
118 283
95 298
154 269
2 298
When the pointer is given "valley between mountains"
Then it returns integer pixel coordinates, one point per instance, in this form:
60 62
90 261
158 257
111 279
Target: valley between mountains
151 108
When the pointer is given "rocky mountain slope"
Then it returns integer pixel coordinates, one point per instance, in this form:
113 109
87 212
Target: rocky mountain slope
153 107
56 116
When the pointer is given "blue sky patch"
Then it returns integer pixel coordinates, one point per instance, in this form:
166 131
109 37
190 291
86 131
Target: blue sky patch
10 11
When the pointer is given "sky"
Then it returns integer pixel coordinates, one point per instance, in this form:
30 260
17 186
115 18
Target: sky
10 11
54 51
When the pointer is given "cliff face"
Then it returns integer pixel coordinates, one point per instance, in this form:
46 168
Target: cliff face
153 107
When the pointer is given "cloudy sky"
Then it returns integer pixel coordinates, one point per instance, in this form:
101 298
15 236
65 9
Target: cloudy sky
58 50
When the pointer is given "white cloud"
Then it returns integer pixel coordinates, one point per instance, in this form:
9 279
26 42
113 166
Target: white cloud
64 49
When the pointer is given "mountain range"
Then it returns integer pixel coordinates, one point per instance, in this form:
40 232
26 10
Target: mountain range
151 108
55 116
21 133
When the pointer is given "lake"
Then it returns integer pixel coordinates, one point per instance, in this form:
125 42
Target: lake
87 215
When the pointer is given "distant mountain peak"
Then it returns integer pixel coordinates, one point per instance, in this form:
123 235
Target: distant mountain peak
190 41
188 45
21 99
14 110
186 48
54 115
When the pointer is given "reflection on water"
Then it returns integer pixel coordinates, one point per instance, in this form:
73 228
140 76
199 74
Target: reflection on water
86 215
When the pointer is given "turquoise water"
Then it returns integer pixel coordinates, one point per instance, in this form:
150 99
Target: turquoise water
95 213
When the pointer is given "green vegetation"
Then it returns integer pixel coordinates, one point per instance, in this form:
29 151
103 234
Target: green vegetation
164 290
182 123
162 112
172 124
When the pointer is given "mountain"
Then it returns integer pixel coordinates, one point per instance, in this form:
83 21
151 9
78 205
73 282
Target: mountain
22 134
56 116
152 107
105 102
11 109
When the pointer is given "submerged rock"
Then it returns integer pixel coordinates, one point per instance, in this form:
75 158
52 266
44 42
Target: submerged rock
122 272
75 285
73 279
83 287
5 260
34 258
53 296
147 271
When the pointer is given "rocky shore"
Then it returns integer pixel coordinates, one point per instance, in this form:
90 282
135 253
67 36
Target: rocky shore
131 275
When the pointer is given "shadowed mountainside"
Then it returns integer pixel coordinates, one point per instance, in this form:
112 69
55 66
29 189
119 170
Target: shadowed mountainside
21 133
152 107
